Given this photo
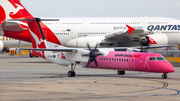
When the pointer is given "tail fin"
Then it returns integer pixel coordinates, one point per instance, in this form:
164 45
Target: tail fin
37 37
12 9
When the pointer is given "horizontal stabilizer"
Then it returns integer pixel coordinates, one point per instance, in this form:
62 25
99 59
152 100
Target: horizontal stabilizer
33 19
12 26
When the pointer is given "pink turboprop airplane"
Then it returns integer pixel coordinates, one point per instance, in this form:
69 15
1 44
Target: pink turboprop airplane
102 58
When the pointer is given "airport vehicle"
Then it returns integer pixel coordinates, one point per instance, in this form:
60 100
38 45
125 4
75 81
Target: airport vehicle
101 58
76 32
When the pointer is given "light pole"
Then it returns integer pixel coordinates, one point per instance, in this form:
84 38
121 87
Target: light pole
19 45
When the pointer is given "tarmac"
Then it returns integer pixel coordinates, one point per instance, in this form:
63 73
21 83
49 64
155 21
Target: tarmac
35 79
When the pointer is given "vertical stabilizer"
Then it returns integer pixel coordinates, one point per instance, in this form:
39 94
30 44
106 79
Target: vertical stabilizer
37 37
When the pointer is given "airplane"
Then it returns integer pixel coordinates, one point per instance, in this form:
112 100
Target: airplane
100 58
76 32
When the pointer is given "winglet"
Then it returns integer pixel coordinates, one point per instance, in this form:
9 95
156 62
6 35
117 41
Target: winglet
130 29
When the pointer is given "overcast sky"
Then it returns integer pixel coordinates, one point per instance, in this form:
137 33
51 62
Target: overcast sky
103 8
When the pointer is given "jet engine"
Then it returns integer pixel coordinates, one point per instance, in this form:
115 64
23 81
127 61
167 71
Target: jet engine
82 42
1 45
158 39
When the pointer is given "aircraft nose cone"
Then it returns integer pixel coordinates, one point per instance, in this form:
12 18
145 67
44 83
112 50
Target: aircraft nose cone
170 68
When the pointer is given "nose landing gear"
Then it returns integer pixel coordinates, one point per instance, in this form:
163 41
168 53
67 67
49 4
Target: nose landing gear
164 76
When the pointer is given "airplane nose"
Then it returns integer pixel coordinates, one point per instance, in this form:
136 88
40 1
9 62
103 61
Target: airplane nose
169 68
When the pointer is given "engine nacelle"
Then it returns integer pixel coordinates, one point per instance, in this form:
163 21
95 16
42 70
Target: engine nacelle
158 39
1 45
82 42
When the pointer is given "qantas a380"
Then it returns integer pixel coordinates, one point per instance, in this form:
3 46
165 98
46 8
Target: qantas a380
102 58
76 32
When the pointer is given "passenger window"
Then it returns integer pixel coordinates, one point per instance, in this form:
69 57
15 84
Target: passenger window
109 58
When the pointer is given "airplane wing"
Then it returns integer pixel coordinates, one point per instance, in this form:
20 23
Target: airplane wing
12 26
121 34
60 50
130 35
144 47
65 49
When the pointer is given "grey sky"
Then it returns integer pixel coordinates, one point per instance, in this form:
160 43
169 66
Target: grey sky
103 8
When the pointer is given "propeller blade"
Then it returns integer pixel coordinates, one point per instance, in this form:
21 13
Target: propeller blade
88 63
95 62
89 47
85 54
100 54
95 47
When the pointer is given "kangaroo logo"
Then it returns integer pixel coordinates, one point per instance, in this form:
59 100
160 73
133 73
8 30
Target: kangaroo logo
38 41
17 8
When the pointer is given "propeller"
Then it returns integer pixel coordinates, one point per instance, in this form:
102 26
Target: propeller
144 42
92 55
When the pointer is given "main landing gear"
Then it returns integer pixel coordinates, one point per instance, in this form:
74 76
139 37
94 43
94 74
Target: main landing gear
164 76
121 72
72 73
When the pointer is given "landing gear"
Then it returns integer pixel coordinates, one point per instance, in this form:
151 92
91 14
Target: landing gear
121 72
72 73
164 76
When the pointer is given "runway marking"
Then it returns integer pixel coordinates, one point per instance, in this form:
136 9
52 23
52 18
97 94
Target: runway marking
60 76
165 85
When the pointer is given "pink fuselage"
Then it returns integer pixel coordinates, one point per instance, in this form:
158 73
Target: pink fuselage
133 61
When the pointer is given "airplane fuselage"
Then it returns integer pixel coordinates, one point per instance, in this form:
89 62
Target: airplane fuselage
131 61
77 31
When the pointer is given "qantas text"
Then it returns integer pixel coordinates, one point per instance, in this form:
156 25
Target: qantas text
163 27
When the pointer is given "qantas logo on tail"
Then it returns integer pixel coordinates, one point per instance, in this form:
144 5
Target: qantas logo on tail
17 9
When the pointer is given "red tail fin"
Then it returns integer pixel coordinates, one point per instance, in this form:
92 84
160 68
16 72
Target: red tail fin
37 37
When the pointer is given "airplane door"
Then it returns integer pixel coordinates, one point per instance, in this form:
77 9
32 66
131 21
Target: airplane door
73 34
58 25
132 63
85 23
143 23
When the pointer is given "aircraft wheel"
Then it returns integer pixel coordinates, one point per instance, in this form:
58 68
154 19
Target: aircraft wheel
30 55
71 74
164 76
121 72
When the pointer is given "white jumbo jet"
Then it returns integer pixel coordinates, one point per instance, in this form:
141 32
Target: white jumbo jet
76 32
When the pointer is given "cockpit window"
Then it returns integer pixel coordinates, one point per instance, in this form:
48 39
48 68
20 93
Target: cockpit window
157 58
152 58
160 58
